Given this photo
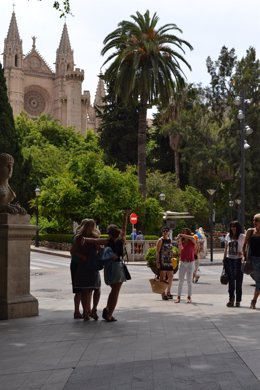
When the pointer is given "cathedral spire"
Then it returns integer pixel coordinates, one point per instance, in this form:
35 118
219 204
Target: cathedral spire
100 93
13 33
64 54
13 50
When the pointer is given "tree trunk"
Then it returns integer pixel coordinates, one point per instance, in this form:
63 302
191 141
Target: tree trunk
174 144
142 148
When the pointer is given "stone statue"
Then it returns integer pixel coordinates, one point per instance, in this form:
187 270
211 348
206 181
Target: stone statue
7 195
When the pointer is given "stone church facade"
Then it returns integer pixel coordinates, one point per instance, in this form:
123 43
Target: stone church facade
33 87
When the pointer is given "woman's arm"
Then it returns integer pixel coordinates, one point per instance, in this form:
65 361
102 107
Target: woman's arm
90 240
248 236
124 225
158 250
192 239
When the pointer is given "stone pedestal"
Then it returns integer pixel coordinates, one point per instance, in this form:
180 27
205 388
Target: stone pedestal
15 240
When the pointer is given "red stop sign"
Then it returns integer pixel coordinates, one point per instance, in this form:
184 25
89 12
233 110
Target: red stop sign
133 218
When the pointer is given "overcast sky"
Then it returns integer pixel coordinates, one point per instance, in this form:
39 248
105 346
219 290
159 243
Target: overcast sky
206 24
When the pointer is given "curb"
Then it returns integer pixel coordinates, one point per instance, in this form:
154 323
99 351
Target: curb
204 262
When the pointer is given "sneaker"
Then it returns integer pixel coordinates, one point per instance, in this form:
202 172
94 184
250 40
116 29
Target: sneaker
237 304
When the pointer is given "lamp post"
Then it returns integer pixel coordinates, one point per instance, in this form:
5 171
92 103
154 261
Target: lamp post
211 193
244 130
37 193
231 205
238 203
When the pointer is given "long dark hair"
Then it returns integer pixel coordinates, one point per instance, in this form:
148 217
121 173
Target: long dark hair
238 229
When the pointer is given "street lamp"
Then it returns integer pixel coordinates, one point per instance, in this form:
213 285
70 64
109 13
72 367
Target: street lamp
211 193
244 130
37 193
231 205
162 197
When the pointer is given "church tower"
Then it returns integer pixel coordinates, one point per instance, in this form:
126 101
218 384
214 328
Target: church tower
13 64
33 87
68 83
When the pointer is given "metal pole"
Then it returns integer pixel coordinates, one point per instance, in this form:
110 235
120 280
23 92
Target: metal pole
242 163
133 245
211 228
37 224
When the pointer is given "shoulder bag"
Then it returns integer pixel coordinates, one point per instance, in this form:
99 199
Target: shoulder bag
246 266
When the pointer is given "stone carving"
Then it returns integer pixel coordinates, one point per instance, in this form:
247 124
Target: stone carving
7 195
34 102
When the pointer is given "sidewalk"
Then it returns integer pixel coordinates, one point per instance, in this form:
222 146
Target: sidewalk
155 345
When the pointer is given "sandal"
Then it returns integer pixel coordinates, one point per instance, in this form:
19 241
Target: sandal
112 319
178 299
188 299
165 297
169 296
252 305
86 317
78 316
94 315
104 313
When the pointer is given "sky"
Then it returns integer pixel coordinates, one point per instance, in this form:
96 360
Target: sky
207 25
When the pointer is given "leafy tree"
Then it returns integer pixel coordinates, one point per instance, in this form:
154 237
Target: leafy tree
146 67
9 143
62 6
118 129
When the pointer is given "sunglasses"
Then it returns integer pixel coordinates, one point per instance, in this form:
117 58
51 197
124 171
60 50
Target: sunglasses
256 220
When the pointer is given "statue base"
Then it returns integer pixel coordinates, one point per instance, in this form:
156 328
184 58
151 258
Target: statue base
15 241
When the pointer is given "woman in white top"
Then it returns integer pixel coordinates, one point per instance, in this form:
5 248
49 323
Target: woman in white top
234 242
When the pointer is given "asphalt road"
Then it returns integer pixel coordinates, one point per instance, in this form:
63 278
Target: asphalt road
50 277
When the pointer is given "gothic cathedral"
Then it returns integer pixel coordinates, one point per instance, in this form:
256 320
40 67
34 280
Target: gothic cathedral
33 87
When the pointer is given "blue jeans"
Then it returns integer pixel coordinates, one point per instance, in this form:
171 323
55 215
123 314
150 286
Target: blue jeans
235 278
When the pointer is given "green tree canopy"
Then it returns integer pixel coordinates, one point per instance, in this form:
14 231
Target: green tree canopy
145 67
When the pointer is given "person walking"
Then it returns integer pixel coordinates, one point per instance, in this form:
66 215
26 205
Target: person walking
186 243
234 242
252 247
164 261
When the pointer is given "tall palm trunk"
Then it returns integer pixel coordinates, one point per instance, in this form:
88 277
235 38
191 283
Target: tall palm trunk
174 144
142 147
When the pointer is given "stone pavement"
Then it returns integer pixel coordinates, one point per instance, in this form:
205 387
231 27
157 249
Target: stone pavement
154 345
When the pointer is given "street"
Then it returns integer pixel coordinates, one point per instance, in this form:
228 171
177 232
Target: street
50 278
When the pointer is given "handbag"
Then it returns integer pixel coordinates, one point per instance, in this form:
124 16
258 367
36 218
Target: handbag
127 273
223 277
158 286
246 267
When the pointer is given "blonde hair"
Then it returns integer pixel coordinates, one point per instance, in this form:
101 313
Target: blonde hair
257 216
87 228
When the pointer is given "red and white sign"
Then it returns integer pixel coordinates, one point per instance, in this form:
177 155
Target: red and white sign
133 218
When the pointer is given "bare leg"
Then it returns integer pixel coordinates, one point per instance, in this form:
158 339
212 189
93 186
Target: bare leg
96 298
77 301
112 299
170 279
86 296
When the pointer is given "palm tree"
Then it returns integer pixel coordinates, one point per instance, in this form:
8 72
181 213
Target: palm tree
146 69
